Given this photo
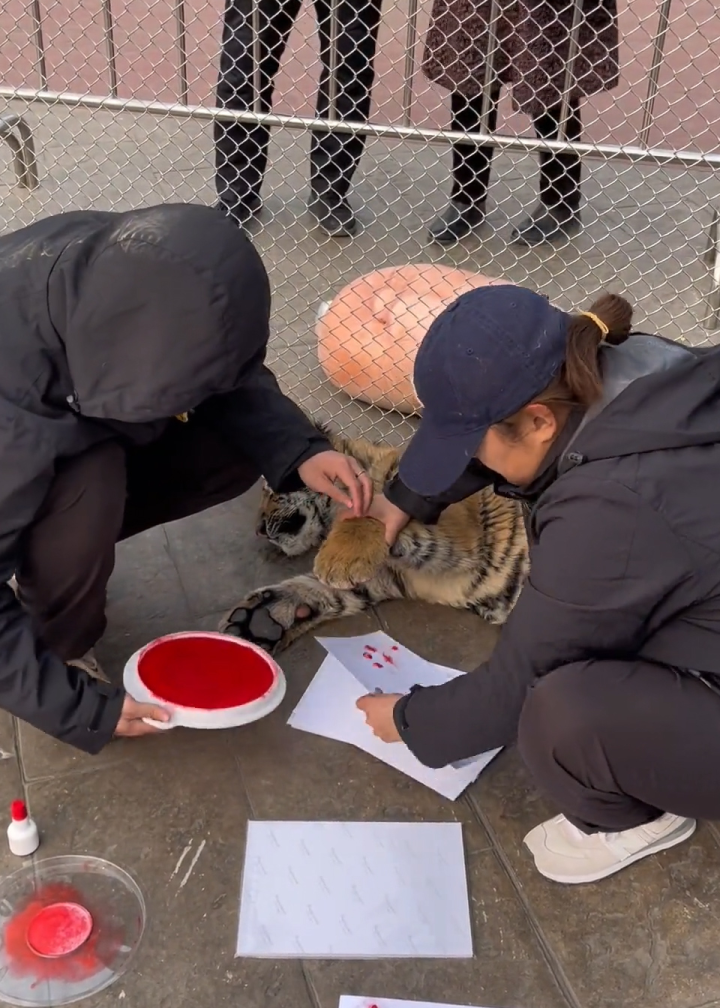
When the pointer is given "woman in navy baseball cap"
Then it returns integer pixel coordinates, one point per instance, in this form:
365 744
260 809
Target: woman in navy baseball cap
607 673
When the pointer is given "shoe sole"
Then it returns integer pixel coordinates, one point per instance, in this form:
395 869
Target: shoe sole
682 834
338 232
455 240
341 231
248 216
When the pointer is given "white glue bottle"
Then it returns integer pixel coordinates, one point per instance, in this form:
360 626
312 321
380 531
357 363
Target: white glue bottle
23 836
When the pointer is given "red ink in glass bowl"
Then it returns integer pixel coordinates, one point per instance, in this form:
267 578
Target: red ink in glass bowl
52 936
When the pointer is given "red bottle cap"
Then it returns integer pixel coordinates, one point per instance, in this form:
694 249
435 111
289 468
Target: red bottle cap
18 811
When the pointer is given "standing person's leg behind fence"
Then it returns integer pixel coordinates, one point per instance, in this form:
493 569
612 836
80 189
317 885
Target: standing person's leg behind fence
560 54
99 497
471 165
246 61
557 214
351 26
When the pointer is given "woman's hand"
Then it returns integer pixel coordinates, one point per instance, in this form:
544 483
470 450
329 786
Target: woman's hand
378 711
322 470
388 515
131 721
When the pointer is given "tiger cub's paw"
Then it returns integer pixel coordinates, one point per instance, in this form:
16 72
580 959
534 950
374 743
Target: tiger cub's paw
267 617
353 553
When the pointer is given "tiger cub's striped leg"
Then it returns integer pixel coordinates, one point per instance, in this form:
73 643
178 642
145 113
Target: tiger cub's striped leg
275 616
428 548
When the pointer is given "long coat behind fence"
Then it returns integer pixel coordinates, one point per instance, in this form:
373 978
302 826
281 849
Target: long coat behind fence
531 55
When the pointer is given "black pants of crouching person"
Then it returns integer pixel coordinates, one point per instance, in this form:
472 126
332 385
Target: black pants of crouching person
614 744
106 494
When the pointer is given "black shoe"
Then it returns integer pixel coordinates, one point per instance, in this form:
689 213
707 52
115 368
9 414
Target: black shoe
456 222
241 212
334 216
547 224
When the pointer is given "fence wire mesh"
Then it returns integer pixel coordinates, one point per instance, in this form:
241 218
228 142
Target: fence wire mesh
121 99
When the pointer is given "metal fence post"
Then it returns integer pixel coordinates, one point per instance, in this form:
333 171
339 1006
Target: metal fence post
181 44
111 55
654 74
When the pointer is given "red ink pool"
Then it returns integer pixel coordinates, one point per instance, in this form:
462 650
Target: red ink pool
59 929
207 673
45 924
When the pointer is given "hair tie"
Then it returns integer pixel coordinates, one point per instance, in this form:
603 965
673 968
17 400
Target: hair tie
598 322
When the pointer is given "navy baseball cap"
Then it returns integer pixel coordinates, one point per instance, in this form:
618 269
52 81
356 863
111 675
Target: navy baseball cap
481 360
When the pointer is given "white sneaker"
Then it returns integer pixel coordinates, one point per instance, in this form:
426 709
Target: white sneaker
564 853
89 663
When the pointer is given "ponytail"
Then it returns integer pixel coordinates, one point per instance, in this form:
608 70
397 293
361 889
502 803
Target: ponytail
579 382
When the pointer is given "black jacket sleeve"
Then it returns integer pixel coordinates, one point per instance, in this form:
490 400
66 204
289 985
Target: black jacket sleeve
428 509
267 427
36 686
602 562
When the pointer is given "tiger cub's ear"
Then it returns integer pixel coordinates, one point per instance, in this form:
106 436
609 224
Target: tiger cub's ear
354 552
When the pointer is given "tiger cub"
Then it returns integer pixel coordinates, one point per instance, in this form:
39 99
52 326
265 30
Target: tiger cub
474 558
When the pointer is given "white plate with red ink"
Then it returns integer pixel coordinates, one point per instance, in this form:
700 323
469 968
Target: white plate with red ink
205 680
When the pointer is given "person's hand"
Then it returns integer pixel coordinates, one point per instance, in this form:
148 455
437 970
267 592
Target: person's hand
131 721
389 515
322 470
378 711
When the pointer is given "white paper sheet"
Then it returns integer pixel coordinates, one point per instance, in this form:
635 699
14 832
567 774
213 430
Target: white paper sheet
354 890
328 706
367 1002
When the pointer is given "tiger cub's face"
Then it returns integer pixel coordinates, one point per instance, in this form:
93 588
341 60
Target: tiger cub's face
295 522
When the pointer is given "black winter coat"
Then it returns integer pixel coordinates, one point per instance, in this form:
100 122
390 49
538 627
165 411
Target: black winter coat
624 537
110 325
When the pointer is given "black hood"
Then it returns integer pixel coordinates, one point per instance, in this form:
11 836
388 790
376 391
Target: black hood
157 310
657 395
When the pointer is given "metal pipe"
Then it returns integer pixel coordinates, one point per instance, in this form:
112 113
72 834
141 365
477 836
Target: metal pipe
711 319
654 74
110 51
15 146
569 82
181 43
40 61
257 57
28 149
23 148
656 156
489 80
411 36
332 82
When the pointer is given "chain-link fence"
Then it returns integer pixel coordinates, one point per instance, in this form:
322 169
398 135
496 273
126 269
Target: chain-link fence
120 96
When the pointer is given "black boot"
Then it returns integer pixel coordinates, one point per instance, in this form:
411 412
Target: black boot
547 224
456 222
557 214
333 214
241 212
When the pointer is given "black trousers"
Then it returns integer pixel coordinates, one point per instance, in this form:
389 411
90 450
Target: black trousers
559 173
241 150
106 494
615 744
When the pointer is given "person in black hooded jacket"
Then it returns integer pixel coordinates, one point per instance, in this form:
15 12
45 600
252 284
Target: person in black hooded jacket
607 673
133 391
